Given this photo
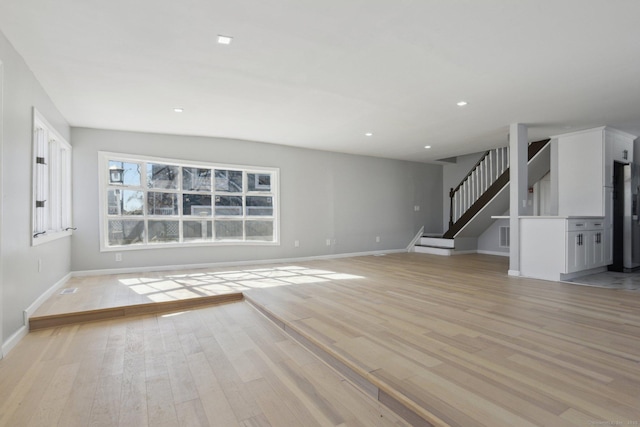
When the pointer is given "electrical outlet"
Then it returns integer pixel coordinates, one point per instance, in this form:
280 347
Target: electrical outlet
328 242
118 257
416 208
296 243
377 239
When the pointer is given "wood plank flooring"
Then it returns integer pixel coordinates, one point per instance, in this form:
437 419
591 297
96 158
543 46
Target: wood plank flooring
218 366
472 346
455 338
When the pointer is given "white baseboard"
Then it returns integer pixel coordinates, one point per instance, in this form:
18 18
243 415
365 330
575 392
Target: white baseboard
514 273
506 254
45 296
13 340
81 273
470 251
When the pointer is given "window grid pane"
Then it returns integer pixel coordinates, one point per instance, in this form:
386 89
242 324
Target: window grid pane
194 196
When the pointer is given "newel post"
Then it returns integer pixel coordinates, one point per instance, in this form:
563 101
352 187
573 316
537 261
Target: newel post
451 194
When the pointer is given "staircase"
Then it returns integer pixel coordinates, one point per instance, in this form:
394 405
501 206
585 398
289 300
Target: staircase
480 195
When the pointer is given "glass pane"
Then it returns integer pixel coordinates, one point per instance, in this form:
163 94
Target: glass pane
162 176
163 231
259 230
228 230
197 230
228 205
259 206
125 232
230 181
125 202
259 181
162 203
196 179
196 204
124 173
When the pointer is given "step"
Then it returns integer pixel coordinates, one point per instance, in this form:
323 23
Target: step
436 242
56 320
379 390
432 250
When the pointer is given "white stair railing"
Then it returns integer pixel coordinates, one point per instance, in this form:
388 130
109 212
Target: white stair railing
488 169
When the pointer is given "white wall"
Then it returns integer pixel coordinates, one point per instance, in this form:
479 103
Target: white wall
21 282
323 195
452 174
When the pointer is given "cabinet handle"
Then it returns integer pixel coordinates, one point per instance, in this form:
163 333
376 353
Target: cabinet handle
579 225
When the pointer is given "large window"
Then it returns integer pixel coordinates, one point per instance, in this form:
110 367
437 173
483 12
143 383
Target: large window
51 182
152 202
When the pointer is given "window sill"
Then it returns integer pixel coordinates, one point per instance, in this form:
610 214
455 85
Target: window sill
138 247
49 237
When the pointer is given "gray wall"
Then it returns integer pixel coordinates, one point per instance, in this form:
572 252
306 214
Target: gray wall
21 282
489 241
349 198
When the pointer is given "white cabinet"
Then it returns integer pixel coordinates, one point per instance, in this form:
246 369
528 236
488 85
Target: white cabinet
581 174
554 248
585 167
585 245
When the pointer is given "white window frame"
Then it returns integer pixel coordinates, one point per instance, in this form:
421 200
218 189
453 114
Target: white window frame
51 199
104 186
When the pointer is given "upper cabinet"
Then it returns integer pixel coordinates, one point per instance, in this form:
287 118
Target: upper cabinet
585 169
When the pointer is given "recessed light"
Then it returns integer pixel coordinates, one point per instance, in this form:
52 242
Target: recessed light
427 146
178 110
224 39
461 103
368 134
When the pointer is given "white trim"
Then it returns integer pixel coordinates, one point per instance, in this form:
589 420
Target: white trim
514 273
505 254
415 239
82 273
470 251
26 314
103 164
45 296
59 164
14 339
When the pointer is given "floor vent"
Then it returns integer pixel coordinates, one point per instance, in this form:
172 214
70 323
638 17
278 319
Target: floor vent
68 291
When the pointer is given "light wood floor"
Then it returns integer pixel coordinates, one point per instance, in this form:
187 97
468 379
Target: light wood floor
472 346
454 336
219 366
119 290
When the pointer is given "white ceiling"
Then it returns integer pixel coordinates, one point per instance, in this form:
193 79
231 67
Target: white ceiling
321 73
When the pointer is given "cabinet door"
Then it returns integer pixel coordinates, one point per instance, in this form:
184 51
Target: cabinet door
607 246
581 174
576 251
595 248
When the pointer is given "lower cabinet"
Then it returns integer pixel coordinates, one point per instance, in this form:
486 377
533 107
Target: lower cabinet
554 248
586 245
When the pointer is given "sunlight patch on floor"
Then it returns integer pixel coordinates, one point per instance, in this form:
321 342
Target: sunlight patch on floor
192 285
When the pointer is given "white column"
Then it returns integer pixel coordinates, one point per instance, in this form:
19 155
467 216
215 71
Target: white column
518 186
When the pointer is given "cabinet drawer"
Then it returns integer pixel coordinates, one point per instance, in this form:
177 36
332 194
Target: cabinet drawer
577 224
595 224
